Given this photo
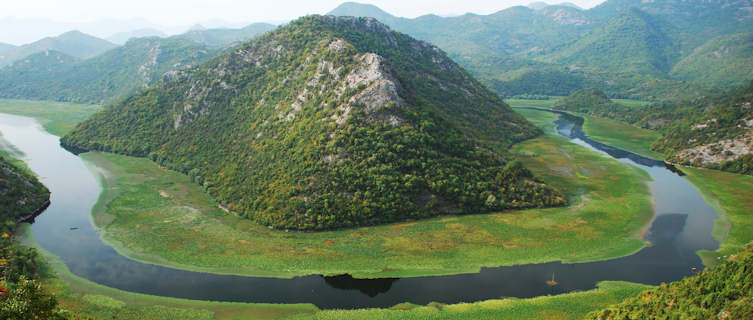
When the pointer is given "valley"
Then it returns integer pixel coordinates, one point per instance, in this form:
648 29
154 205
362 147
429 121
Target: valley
178 188
546 161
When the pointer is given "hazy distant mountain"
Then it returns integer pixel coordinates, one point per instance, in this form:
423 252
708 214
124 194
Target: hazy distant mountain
122 37
541 5
355 9
53 75
117 73
73 43
4 48
220 37
537 5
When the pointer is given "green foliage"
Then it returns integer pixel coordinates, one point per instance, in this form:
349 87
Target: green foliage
57 118
724 61
626 48
29 301
21 195
158 216
709 120
725 292
262 137
593 102
632 41
106 78
741 165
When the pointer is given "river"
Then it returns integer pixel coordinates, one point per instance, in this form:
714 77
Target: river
681 227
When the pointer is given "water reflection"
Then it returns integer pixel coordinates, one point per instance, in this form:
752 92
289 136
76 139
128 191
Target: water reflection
369 287
682 226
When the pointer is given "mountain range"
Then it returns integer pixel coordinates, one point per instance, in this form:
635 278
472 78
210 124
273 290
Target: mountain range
73 43
116 73
627 48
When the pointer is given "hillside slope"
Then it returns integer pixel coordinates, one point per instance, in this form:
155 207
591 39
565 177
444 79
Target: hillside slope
725 61
329 122
119 72
632 41
716 132
107 78
21 195
725 292
591 101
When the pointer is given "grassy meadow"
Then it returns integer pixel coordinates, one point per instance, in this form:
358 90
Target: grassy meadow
56 117
614 133
159 216
88 300
566 306
611 203
622 135
731 195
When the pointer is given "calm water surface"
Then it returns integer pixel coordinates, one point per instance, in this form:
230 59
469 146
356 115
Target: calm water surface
682 226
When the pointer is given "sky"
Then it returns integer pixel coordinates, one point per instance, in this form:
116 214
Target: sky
24 21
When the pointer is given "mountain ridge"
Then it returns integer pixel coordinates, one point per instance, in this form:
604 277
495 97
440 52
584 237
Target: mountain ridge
73 43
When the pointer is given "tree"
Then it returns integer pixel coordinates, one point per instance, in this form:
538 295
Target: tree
29 301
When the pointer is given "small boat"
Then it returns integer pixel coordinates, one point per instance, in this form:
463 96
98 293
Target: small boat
74 228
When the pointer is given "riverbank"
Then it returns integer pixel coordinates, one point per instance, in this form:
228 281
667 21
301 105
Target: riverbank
732 196
56 117
86 299
158 216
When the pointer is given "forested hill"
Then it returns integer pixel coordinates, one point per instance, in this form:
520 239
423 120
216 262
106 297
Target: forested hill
594 102
725 292
632 41
715 132
329 122
117 73
109 77
21 195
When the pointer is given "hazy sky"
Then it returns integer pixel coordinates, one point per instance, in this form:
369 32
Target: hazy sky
182 13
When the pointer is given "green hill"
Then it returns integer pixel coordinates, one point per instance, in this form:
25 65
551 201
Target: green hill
22 194
697 20
72 43
725 292
715 132
117 73
21 198
724 61
329 122
109 77
632 41
591 101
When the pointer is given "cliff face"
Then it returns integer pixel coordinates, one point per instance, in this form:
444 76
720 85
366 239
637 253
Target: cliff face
325 123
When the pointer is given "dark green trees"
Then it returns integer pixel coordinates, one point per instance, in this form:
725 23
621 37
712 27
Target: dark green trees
327 123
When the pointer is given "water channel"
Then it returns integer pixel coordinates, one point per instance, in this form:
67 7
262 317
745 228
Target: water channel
682 226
